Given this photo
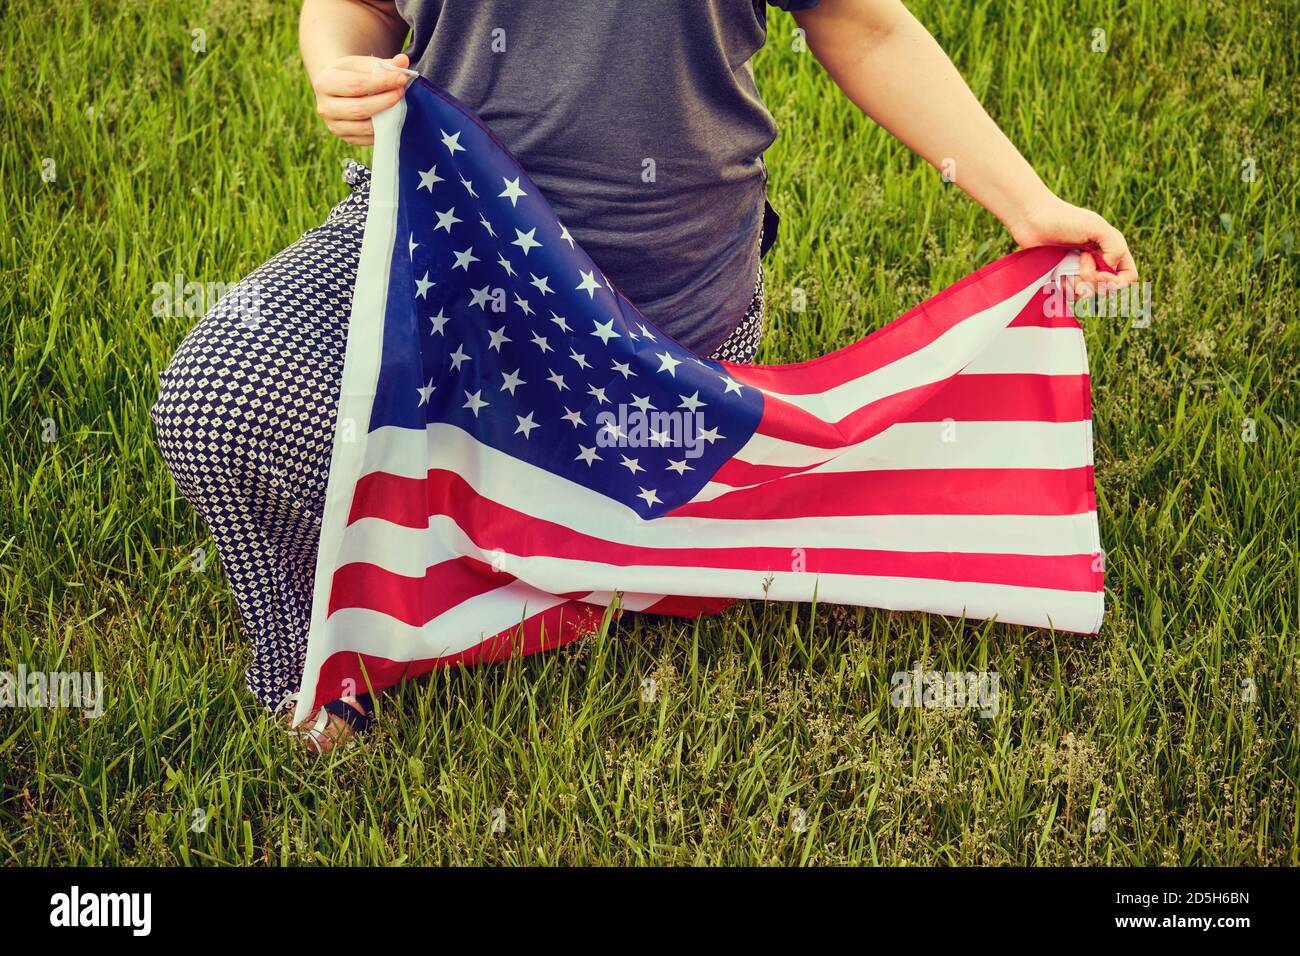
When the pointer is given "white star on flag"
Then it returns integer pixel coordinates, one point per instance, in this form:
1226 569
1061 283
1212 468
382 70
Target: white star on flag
511 381
605 331
668 364
526 424
512 191
452 142
525 240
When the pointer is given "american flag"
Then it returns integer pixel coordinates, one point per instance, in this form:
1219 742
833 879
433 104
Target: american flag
517 444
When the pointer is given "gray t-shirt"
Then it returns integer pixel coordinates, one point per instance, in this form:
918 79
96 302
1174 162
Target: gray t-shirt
639 120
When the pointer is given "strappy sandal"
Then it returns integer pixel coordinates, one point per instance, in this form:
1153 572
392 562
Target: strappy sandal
356 713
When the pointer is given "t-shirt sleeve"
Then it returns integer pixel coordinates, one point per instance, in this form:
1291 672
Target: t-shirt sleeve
794 5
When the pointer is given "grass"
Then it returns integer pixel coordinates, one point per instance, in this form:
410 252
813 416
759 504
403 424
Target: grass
204 164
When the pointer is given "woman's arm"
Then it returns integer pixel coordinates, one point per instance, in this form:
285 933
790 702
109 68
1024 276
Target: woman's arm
887 63
340 40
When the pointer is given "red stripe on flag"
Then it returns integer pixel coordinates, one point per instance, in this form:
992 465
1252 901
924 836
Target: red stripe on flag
963 398
1020 397
922 491
443 586
930 491
396 594
917 328
398 499
740 474
487 523
1047 310
688 606
347 671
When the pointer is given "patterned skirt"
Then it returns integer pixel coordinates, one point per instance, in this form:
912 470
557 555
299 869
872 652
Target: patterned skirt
245 423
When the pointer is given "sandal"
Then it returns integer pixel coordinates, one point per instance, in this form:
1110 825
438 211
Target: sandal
337 724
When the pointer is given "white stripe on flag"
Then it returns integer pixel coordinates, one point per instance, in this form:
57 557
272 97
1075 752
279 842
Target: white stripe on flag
982 333
356 390
376 633
409 551
457 629
937 445
541 494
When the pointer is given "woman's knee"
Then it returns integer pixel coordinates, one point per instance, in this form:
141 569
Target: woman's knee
195 421
245 410
252 386
198 414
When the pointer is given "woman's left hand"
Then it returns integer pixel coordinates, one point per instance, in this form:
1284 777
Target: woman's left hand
1057 222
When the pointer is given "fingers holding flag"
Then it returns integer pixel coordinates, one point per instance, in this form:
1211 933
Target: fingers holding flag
1112 251
1105 263
352 90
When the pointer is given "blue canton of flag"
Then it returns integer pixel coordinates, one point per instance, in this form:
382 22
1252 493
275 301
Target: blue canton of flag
499 324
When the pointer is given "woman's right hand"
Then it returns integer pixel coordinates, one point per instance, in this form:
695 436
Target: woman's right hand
350 91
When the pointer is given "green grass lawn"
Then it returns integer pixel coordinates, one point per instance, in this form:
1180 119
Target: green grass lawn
168 162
